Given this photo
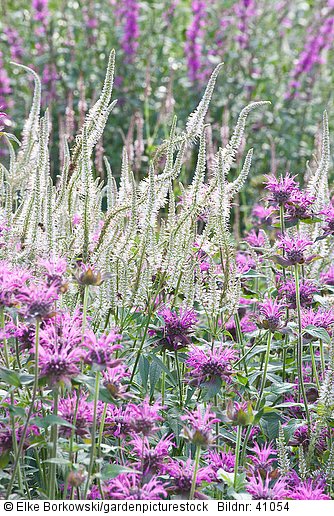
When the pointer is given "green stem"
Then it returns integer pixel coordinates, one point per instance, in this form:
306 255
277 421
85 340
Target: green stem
92 449
237 453
322 359
31 408
179 377
241 340
193 483
54 440
265 370
314 366
301 390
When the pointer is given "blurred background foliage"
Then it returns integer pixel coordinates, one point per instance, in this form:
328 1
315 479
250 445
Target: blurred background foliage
274 50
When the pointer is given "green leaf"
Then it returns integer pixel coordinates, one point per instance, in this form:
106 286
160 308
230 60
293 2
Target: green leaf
10 377
51 419
155 372
143 368
113 470
319 333
210 389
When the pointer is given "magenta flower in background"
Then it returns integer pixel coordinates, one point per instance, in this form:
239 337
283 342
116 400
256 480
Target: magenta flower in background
255 238
129 486
75 411
12 281
307 289
328 277
199 426
15 43
101 350
59 363
55 270
40 10
308 490
262 215
207 365
181 474
220 460
266 489
244 10
281 189
143 418
320 318
271 312
329 220
194 43
152 457
178 327
262 458
37 301
294 248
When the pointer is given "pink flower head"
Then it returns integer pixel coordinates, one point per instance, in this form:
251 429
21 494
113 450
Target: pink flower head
178 327
129 486
112 380
142 418
75 411
299 205
262 215
12 281
210 364
55 269
280 189
152 457
101 350
181 474
266 489
307 289
308 490
244 263
294 250
320 318
221 460
329 220
199 426
256 238
59 363
37 301
262 458
271 312
328 276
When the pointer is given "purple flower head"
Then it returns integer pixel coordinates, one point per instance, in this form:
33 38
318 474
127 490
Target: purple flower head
271 312
262 215
210 364
256 238
143 418
306 291
199 426
178 328
299 206
280 189
294 250
328 276
244 262
112 380
75 411
55 270
129 486
181 474
266 489
221 460
101 350
261 459
329 220
12 281
245 10
15 43
6 436
320 318
301 437
25 334
37 301
41 11
152 457
308 490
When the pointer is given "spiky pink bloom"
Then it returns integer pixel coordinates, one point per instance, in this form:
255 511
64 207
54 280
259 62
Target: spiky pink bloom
199 426
320 318
255 238
299 205
244 262
6 436
262 214
12 281
301 437
262 458
129 486
75 410
206 365
100 351
63 329
55 270
271 312
178 328
329 220
261 489
307 289
152 456
280 188
181 474
308 490
37 301
294 249
143 418
113 378
328 276
221 460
